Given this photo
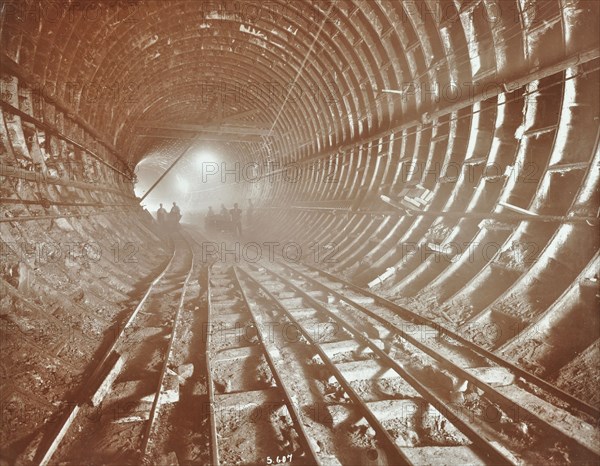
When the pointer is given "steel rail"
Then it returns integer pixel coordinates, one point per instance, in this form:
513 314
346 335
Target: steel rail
31 218
293 411
386 439
492 393
402 212
85 392
10 171
155 410
481 443
500 216
46 203
214 446
416 318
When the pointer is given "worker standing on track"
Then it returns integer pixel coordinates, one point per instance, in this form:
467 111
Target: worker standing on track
161 217
236 219
175 215
210 219
224 211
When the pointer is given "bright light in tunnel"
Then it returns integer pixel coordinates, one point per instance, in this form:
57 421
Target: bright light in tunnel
204 157
182 184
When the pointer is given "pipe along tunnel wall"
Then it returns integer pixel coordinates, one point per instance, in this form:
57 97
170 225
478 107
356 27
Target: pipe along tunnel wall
443 154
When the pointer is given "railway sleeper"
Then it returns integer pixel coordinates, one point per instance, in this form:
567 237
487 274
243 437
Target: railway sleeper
584 433
336 348
305 313
364 370
414 422
248 423
442 455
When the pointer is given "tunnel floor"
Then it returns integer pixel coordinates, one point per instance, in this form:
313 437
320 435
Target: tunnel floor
222 356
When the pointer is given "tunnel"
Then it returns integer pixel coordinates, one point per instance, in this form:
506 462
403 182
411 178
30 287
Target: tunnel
400 262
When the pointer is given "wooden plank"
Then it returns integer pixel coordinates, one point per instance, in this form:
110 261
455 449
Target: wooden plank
209 128
214 137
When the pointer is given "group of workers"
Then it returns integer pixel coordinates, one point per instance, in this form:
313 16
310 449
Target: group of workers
170 218
228 219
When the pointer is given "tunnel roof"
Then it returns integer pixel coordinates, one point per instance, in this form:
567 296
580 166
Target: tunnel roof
277 81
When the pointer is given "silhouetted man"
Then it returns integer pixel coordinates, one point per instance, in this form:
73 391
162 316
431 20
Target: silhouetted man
175 214
236 219
210 218
161 216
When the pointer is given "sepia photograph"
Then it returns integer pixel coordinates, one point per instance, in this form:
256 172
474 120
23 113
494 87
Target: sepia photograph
299 232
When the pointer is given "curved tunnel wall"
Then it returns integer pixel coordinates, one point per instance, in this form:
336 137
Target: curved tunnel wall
492 102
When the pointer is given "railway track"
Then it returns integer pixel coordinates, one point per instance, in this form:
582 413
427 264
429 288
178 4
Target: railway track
573 404
423 396
302 367
254 413
117 412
